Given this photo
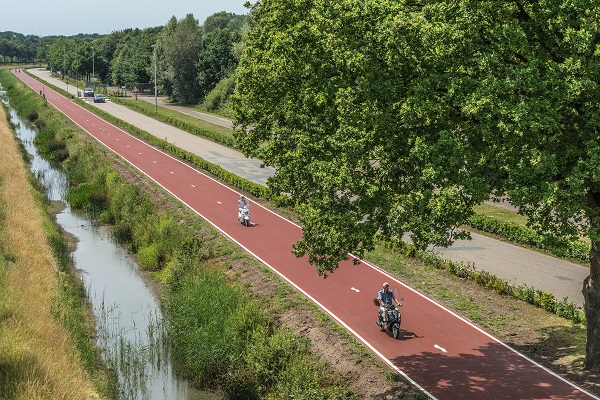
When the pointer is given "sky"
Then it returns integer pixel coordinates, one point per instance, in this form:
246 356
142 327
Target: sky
70 17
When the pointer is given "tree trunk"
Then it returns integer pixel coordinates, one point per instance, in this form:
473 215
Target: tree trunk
591 294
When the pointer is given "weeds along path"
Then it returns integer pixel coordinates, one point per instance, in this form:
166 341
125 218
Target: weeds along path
441 353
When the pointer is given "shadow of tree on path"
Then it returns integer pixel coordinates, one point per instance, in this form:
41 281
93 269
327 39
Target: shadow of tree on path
490 372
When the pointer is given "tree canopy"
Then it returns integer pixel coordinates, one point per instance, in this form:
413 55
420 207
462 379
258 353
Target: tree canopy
191 58
392 117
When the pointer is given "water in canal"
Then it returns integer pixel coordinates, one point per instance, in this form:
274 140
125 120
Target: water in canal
128 316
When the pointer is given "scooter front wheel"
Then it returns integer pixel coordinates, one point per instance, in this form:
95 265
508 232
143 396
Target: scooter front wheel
396 331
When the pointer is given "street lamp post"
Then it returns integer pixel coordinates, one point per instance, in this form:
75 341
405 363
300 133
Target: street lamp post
155 94
65 76
93 66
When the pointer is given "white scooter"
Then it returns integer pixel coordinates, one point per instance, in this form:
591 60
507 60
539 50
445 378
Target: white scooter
244 215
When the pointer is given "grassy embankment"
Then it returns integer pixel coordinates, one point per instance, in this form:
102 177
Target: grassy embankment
46 349
222 334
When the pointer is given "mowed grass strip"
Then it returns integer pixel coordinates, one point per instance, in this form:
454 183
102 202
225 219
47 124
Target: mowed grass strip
147 108
38 359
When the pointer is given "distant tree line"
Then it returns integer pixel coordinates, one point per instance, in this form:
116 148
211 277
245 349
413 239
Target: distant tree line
18 48
191 59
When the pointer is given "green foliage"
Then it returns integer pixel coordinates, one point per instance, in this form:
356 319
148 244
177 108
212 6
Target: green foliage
575 250
307 381
397 117
216 60
186 259
132 57
177 48
267 355
210 321
218 98
51 140
149 257
220 335
539 298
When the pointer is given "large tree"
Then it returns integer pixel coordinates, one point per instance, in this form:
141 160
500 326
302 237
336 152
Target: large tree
395 117
216 59
178 48
132 58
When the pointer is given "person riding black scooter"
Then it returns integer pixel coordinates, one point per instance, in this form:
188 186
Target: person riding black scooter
389 315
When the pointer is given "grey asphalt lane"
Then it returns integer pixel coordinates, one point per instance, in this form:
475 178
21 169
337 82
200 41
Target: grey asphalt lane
515 264
520 266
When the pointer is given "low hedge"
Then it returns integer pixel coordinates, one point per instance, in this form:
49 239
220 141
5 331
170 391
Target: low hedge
177 123
573 250
538 298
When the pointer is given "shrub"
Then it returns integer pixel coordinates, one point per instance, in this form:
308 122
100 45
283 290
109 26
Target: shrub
149 257
575 250
217 98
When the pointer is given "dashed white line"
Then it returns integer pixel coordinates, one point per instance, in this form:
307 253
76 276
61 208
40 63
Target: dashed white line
441 348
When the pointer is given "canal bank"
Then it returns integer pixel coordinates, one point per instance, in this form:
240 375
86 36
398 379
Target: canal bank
130 332
218 342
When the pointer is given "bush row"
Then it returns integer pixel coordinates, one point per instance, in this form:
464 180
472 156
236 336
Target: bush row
573 250
539 298
178 123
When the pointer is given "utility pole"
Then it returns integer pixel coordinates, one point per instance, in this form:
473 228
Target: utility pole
155 93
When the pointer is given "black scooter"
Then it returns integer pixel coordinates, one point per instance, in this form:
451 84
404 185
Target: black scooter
394 319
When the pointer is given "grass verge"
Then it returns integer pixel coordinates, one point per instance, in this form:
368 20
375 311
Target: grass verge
46 340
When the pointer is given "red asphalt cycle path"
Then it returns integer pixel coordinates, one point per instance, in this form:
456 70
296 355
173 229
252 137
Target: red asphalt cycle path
441 353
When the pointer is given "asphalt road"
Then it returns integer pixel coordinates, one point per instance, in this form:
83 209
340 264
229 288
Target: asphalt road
441 353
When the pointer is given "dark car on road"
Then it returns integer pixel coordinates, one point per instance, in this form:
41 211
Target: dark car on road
99 98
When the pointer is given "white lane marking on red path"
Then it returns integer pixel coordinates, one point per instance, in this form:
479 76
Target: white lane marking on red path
355 289
437 346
